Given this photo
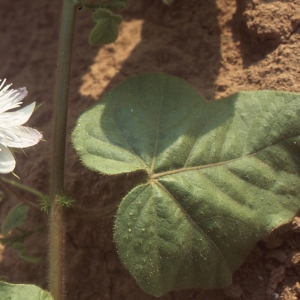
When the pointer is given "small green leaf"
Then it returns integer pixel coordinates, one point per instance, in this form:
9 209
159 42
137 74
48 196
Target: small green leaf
11 239
20 237
219 175
106 29
15 218
22 292
29 258
19 247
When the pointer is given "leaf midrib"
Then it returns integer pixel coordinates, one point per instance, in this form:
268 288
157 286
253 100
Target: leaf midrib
157 130
185 169
192 221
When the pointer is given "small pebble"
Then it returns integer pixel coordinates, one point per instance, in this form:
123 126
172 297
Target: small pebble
296 224
296 258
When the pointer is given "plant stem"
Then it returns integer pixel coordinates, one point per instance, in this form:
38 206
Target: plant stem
56 234
22 186
24 200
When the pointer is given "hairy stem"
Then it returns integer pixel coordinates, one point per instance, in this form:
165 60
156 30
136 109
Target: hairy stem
56 235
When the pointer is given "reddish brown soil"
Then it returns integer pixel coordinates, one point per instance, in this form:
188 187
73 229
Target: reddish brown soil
220 47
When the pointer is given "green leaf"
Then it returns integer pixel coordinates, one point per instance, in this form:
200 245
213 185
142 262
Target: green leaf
21 248
219 175
106 29
15 218
22 292
29 258
20 237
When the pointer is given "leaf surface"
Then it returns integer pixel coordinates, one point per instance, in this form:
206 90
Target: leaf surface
106 29
22 292
21 248
219 175
15 218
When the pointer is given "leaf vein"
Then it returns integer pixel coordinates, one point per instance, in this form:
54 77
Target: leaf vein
200 136
184 169
130 148
157 128
191 220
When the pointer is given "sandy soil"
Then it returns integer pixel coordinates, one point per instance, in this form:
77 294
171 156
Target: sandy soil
220 47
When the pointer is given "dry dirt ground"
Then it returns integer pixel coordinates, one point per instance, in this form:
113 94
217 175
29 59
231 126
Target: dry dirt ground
220 47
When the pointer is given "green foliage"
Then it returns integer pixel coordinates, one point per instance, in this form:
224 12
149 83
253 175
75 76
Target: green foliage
21 248
16 240
106 29
219 175
22 292
15 218
10 240
116 4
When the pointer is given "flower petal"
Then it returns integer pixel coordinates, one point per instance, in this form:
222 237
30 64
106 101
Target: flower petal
19 136
10 99
7 160
18 117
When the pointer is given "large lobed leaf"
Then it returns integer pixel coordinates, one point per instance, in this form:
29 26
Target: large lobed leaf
219 175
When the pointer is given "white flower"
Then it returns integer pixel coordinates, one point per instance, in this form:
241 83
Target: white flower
12 134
